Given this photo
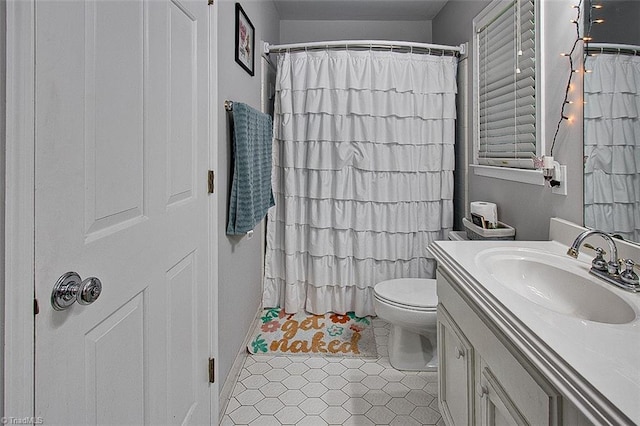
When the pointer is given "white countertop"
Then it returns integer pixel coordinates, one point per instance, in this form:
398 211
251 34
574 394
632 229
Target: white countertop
604 356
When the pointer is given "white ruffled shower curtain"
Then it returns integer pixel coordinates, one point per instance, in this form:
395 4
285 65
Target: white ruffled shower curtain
363 161
612 144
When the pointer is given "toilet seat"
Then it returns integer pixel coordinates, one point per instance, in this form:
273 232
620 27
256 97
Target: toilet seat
418 294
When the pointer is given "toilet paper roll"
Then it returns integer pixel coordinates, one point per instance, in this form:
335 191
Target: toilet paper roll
489 211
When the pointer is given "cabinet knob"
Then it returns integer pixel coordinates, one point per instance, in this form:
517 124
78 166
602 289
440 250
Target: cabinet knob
459 353
482 390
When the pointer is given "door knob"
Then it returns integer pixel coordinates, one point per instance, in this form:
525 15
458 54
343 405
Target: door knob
71 288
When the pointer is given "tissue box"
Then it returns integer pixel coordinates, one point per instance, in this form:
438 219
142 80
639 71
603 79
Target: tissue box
502 232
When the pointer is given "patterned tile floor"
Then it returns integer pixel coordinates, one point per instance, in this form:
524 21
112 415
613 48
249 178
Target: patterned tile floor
313 390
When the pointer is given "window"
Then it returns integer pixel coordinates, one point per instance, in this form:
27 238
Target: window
505 79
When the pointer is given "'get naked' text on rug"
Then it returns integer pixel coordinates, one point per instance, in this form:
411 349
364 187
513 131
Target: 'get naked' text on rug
306 334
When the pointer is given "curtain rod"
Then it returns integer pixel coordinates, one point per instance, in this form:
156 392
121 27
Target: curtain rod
612 46
363 44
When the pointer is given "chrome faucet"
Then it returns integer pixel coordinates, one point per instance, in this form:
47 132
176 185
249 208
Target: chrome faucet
608 271
574 250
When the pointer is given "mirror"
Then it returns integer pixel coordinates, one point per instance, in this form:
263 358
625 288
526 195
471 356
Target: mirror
612 117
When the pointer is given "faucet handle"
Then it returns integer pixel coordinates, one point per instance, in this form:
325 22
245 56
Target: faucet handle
628 276
598 262
589 246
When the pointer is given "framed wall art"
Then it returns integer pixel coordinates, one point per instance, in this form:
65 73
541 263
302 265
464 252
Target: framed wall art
245 41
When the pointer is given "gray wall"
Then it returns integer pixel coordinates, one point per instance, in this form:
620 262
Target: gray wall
239 259
529 207
461 172
3 78
306 31
452 26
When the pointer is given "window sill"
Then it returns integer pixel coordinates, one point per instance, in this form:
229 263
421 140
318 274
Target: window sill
532 177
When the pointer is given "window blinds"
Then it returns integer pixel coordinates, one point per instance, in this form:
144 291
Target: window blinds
506 87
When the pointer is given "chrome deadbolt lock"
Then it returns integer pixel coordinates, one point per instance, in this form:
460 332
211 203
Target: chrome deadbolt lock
71 288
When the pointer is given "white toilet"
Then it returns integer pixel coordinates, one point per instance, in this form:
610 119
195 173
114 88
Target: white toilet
409 305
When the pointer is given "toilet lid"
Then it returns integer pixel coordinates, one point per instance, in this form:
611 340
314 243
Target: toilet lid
417 292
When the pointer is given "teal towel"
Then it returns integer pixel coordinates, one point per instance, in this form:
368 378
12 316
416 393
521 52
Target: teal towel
251 194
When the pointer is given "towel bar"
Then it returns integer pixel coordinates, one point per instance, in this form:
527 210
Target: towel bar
228 105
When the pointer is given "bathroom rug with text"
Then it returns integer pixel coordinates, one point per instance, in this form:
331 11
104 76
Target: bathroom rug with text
307 334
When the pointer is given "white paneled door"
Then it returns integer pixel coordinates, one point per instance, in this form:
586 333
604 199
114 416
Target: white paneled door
122 130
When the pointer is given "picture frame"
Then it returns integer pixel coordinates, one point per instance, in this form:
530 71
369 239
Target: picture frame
245 41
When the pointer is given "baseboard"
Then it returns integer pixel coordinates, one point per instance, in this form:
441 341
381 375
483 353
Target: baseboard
238 363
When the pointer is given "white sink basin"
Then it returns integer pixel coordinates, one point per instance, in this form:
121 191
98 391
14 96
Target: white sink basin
559 284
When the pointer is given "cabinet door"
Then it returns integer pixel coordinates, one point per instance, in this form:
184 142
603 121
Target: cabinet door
456 378
497 409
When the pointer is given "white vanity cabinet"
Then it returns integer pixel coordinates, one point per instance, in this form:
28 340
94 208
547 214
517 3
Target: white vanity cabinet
483 379
521 339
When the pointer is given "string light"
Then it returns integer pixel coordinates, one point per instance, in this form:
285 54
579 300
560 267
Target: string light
589 18
574 70
587 34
